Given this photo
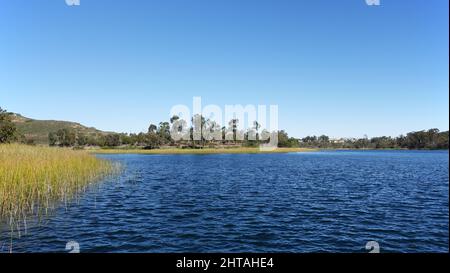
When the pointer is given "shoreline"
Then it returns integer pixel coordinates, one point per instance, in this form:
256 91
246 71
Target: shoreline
206 151
175 151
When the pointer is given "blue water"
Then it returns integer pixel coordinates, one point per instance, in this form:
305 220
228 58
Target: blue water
306 202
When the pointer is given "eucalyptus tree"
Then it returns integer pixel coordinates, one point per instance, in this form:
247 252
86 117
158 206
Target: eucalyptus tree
174 118
164 132
233 127
152 128
256 126
198 121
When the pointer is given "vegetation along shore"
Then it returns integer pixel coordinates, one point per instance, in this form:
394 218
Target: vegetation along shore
241 150
34 178
16 128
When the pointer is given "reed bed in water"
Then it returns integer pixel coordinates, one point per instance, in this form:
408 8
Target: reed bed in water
33 179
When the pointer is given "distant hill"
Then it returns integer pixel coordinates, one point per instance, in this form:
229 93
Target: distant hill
38 130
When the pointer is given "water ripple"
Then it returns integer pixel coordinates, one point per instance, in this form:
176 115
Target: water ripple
315 202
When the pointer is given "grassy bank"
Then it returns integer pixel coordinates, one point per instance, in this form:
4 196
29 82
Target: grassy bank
241 150
32 179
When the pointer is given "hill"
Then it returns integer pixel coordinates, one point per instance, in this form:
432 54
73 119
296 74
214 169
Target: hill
38 130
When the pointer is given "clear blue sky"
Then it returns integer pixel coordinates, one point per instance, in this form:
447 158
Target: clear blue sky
340 68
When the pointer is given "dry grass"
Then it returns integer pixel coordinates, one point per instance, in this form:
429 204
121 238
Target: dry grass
33 179
201 151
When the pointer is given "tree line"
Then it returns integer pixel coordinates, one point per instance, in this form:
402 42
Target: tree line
426 139
160 135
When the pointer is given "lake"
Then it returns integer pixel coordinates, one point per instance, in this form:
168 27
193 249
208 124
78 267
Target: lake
332 201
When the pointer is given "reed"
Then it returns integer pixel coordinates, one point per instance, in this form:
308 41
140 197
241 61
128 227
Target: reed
34 179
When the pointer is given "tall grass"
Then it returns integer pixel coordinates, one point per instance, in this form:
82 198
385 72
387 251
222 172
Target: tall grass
34 179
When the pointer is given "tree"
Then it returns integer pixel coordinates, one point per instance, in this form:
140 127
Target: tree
233 127
179 131
152 128
164 132
442 140
257 126
82 140
153 141
198 122
52 139
93 140
324 139
174 118
383 142
285 141
112 140
126 139
8 130
66 137
141 139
